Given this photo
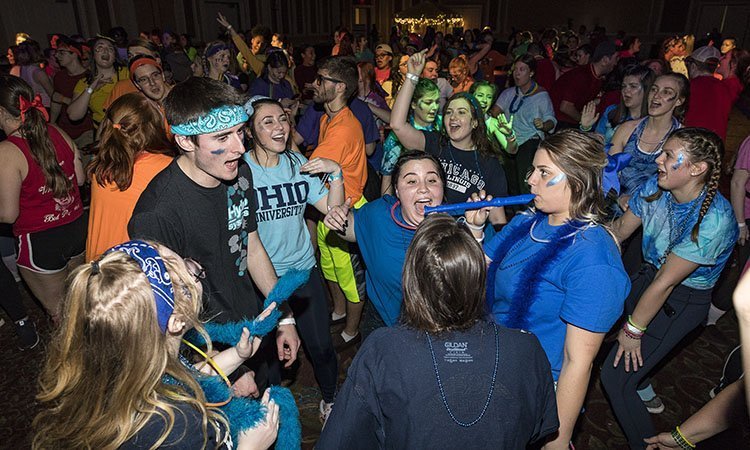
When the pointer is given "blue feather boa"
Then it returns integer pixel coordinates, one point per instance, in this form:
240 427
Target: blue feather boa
244 413
526 291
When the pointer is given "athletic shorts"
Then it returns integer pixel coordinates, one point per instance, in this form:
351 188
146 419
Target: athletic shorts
341 262
50 250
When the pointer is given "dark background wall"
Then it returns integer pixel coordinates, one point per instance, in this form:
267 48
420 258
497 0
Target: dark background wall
314 20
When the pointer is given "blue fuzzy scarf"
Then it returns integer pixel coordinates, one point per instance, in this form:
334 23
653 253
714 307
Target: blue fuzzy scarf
244 413
527 287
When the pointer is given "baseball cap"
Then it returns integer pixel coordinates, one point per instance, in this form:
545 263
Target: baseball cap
705 53
384 47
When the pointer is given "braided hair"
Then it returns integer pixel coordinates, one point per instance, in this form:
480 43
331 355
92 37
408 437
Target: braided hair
701 145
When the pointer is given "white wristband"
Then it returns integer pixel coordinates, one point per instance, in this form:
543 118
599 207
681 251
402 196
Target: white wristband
481 238
411 77
287 321
89 90
741 224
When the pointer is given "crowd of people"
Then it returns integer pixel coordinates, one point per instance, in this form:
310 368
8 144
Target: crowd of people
155 190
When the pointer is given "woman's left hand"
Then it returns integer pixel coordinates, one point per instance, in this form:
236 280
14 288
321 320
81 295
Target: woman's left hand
321 165
246 347
630 351
478 217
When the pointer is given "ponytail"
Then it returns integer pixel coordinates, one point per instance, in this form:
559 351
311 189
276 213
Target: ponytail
34 129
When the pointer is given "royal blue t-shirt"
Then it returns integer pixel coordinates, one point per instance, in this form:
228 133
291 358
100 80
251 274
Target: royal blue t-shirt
383 245
585 287
716 236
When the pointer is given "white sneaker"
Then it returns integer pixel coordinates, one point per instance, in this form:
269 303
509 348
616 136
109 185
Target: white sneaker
325 411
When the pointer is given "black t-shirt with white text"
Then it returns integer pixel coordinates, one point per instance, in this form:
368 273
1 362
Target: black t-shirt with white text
210 225
468 172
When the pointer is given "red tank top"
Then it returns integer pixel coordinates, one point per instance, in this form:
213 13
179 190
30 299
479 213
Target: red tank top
39 210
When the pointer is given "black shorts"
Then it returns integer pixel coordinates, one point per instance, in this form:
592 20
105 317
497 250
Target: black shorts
50 250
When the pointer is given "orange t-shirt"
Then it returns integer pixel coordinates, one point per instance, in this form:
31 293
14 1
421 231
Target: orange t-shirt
341 139
112 208
121 88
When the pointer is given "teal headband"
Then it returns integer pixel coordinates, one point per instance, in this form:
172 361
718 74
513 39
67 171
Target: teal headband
217 119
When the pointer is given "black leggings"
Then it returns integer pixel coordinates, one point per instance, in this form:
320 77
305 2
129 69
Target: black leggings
310 307
685 309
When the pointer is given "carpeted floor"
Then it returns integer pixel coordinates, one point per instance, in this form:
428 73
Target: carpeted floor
683 382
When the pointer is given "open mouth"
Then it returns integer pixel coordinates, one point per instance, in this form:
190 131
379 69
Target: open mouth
232 165
280 138
421 203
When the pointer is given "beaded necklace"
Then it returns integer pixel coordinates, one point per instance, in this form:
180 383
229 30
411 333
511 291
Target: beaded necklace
677 231
442 391
532 90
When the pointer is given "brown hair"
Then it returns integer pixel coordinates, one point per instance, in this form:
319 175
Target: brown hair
581 157
701 145
682 80
132 125
34 130
444 277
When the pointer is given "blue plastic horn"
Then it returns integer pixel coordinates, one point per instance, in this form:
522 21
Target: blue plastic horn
459 208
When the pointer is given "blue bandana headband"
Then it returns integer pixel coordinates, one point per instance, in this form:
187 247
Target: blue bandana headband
217 119
155 270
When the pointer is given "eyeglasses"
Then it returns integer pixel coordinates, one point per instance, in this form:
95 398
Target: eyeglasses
195 269
150 79
382 55
320 78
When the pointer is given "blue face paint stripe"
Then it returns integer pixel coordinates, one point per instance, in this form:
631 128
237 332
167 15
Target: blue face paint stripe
219 151
680 160
558 178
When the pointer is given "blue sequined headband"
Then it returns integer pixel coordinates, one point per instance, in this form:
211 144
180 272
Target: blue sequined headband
217 119
250 104
155 270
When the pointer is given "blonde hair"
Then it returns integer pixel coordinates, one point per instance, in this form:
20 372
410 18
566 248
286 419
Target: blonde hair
460 62
103 379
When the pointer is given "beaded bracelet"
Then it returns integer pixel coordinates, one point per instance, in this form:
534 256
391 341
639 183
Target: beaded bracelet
681 440
630 334
584 129
638 327
472 226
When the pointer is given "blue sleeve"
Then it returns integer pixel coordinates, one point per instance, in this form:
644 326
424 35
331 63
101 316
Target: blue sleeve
545 107
491 245
717 233
637 202
594 310
309 125
366 119
601 125
318 190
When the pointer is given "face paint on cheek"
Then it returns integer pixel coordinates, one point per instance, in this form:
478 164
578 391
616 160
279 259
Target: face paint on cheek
217 152
680 160
669 99
558 178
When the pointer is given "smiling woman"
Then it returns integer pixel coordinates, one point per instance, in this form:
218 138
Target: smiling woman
470 160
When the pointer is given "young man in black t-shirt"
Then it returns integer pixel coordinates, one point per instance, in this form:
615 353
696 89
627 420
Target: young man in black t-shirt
202 206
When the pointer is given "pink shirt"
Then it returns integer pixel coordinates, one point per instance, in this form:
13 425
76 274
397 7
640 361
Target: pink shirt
743 162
